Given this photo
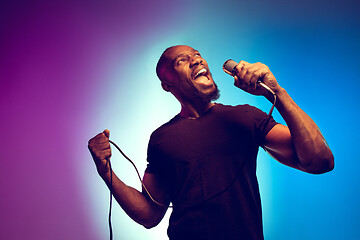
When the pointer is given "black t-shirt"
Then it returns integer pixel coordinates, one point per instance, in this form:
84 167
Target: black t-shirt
209 167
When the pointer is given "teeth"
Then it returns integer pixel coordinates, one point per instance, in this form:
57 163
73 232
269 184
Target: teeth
200 72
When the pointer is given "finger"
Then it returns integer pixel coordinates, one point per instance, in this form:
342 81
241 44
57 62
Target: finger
247 77
100 138
107 133
239 83
94 142
102 146
255 78
106 154
243 63
240 69
98 143
263 72
251 77
101 155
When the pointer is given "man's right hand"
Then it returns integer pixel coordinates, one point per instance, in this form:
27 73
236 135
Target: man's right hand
99 147
135 203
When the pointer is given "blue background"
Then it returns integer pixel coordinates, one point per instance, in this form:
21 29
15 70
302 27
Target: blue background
70 69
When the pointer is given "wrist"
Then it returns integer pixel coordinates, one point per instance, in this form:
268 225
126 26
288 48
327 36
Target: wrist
104 172
284 103
279 92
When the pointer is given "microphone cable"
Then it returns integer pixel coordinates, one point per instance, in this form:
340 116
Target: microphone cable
138 174
111 194
111 187
272 92
228 67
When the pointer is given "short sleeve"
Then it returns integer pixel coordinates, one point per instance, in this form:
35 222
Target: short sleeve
264 127
152 157
263 123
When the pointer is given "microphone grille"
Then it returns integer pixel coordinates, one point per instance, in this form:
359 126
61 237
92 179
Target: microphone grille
229 67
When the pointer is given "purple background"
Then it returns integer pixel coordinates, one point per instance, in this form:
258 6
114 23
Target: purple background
69 69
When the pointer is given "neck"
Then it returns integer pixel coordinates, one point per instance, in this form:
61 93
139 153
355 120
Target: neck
193 111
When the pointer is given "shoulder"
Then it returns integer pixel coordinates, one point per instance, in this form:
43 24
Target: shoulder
235 107
248 115
165 128
238 109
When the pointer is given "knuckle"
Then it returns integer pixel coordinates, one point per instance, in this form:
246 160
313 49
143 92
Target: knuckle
238 67
91 145
91 140
97 155
109 154
102 155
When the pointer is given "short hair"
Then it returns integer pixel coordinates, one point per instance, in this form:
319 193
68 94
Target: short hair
162 66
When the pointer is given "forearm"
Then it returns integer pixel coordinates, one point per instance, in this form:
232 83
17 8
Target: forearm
133 202
310 147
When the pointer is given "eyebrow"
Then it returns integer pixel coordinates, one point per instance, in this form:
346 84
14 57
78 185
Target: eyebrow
181 55
184 55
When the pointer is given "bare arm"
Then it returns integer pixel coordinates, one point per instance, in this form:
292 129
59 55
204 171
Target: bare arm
136 204
300 145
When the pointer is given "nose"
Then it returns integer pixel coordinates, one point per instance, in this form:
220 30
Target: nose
195 60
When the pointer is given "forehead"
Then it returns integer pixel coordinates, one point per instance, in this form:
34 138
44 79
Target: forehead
173 52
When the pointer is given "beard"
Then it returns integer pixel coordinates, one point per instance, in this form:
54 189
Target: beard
205 97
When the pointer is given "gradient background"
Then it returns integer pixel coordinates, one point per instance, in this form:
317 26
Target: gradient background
70 69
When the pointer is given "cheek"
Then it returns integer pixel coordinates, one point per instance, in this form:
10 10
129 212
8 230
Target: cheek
185 73
186 78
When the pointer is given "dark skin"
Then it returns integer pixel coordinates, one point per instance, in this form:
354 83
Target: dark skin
300 144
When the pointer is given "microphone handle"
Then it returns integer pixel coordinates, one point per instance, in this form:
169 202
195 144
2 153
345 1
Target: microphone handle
229 68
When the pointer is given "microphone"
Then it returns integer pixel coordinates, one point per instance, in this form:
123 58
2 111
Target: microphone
229 68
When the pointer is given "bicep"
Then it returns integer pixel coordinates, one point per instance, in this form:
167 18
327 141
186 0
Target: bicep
156 192
278 143
156 189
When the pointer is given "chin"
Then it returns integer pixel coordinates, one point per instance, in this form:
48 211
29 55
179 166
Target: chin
212 95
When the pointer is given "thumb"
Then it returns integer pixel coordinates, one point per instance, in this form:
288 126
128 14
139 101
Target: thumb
107 133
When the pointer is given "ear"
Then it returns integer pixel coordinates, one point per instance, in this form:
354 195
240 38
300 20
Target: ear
166 86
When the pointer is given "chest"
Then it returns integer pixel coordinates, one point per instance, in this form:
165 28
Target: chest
207 139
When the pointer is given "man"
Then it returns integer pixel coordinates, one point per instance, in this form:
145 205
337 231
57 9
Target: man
204 159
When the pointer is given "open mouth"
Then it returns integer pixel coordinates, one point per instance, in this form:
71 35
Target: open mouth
201 72
202 78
